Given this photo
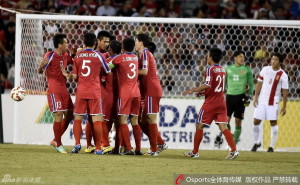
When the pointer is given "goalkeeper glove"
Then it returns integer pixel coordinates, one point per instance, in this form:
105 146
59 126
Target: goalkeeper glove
246 100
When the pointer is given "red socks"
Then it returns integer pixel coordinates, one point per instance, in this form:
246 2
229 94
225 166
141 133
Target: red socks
77 130
98 133
105 127
229 139
126 136
57 132
88 134
137 133
197 140
153 133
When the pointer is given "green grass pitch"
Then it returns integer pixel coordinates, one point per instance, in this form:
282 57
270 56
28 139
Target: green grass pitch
72 169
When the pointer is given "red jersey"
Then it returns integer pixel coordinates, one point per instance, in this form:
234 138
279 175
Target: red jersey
87 67
150 84
127 74
56 80
111 79
215 78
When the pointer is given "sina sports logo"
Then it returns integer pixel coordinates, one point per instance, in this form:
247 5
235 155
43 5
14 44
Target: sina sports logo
179 179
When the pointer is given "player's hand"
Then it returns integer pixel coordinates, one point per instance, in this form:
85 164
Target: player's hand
283 111
187 92
199 94
63 71
255 103
79 50
246 100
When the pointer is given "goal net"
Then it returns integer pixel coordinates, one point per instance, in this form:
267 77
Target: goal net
182 47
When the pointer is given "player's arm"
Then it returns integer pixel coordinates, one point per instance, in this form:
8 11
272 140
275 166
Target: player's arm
250 82
43 62
64 72
285 93
143 71
257 92
197 89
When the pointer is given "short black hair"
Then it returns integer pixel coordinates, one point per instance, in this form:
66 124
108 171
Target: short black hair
216 54
143 38
58 39
238 52
89 39
281 57
115 46
128 44
152 47
102 34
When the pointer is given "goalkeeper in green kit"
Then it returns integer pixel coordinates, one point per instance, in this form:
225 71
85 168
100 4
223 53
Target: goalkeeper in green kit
240 86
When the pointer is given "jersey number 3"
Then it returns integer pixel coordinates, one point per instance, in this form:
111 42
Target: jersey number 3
220 86
132 67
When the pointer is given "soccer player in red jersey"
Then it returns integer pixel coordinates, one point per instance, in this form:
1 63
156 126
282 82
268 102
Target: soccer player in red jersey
128 94
103 39
87 67
151 92
59 99
111 97
214 106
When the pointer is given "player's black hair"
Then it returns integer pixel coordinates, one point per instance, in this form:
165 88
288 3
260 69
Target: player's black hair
152 47
89 39
281 57
128 44
143 38
102 34
115 46
58 39
216 54
238 52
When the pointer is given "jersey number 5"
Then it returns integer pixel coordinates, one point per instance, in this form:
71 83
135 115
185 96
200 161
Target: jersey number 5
84 66
220 79
132 67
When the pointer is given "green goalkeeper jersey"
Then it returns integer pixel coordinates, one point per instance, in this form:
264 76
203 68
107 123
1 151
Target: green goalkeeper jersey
239 79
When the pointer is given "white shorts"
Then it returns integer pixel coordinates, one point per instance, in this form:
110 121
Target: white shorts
266 112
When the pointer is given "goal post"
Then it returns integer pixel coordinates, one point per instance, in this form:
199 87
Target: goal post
182 46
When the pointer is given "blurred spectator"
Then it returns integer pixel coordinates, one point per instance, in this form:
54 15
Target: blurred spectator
126 10
4 15
106 9
188 6
11 75
7 46
4 83
201 12
280 13
212 7
68 6
172 8
151 5
141 11
88 7
265 12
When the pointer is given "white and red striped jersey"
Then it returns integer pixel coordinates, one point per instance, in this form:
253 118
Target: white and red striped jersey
273 82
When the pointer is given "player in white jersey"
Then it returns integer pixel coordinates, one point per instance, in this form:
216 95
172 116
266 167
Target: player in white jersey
271 81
